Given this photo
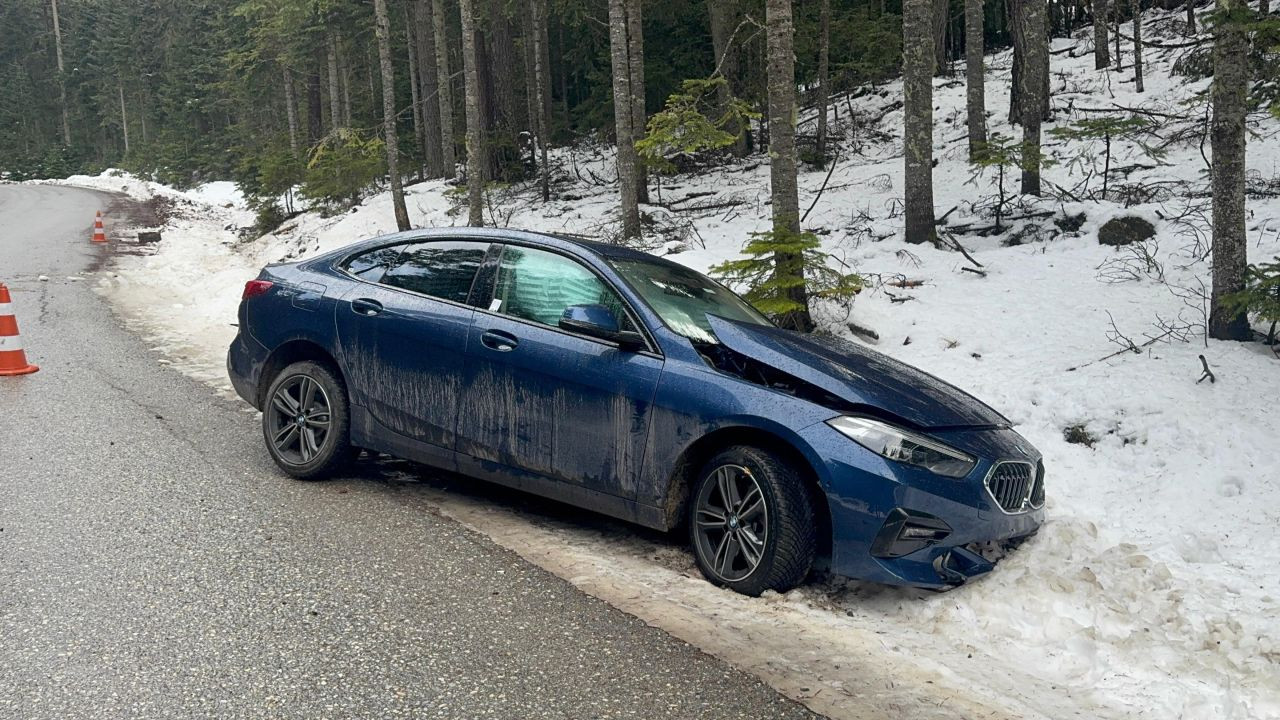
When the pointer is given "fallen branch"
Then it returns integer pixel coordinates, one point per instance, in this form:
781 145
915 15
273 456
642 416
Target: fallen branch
906 283
1131 349
964 252
710 206
1162 46
865 332
975 271
822 189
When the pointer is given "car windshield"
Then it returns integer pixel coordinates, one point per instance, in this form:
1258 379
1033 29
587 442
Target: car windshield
683 297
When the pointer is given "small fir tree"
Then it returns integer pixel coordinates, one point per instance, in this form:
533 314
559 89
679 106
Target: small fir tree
999 152
342 166
685 127
1134 128
767 285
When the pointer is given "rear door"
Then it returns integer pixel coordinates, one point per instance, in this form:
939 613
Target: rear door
403 333
549 401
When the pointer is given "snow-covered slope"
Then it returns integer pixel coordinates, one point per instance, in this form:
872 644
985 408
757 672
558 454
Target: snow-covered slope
1152 590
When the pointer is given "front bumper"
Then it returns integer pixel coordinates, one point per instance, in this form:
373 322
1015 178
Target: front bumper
872 499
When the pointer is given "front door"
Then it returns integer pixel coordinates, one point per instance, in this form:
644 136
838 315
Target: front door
549 401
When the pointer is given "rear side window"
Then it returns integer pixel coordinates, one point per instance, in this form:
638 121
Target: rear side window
372 264
440 269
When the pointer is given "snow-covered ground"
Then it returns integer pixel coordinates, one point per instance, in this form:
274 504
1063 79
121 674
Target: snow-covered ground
1151 592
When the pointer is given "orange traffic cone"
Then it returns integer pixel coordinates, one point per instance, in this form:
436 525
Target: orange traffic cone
99 232
13 361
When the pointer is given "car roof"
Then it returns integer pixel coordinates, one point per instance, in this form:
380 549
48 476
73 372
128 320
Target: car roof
556 240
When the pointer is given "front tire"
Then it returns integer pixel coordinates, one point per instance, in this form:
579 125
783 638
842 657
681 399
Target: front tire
306 421
751 522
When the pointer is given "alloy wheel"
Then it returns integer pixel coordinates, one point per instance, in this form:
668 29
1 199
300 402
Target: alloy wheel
732 523
300 416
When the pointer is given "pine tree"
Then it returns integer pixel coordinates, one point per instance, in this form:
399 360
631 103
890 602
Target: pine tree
444 89
1035 64
789 266
1137 44
1101 51
476 148
629 177
975 81
917 133
390 133
1230 90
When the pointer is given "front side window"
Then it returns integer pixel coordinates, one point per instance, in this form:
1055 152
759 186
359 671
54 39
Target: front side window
683 297
440 269
372 264
538 285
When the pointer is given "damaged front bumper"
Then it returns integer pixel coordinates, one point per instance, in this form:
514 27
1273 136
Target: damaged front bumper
901 525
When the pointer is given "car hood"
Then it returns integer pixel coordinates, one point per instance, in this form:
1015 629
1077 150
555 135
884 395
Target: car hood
858 375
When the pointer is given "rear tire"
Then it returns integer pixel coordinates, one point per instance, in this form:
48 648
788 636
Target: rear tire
751 522
306 421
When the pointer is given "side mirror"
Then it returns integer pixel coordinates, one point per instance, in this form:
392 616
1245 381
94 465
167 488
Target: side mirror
597 321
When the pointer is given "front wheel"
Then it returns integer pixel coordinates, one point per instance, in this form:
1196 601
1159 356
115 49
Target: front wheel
751 522
306 422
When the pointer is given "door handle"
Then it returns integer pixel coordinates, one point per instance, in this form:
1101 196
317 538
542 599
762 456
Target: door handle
366 307
498 340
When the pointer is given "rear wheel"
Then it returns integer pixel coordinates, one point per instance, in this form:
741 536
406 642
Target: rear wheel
751 522
306 422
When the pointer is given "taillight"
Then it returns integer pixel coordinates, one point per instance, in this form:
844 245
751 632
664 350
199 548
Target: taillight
254 288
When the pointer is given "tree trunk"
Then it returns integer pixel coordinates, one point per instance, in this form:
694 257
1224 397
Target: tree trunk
530 75
917 132
1101 50
1017 36
1137 44
315 109
941 18
444 90
502 112
975 80
1191 15
635 60
383 31
824 75
291 109
780 43
124 120
1230 90
62 77
1035 59
624 118
724 20
541 83
1115 14
419 132
476 161
429 79
335 94
344 73
562 74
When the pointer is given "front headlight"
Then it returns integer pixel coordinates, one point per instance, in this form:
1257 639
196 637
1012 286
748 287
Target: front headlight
905 446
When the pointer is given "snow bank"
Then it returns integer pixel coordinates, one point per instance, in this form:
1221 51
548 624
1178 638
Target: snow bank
1150 592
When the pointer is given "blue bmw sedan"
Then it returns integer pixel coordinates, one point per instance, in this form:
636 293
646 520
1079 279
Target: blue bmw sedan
632 386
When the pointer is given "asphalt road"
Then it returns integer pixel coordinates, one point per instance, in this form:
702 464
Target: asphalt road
154 564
